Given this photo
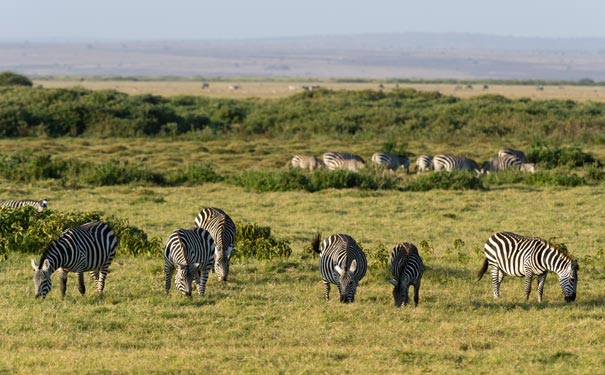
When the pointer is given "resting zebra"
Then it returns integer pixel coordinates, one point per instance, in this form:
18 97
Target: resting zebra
191 252
516 153
38 205
306 162
500 163
511 254
222 230
391 161
90 247
342 160
407 269
424 163
341 262
452 163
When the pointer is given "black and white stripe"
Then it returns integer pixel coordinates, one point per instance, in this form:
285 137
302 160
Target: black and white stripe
38 205
512 152
343 160
451 163
90 247
500 163
511 254
222 230
309 162
424 163
407 269
191 252
391 161
341 262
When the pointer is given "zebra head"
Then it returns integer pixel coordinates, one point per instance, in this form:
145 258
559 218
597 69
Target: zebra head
347 282
42 282
400 291
222 258
42 205
569 281
184 277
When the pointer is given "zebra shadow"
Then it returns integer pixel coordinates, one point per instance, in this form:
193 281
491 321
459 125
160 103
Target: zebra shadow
589 304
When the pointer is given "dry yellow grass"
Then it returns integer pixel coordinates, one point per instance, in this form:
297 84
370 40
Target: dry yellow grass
277 89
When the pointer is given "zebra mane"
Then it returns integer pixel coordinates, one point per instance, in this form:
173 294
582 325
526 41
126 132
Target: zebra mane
559 248
178 237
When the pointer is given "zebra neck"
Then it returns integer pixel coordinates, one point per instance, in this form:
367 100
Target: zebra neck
560 264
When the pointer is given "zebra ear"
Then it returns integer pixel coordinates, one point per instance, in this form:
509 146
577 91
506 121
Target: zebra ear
34 265
393 282
46 264
353 265
339 270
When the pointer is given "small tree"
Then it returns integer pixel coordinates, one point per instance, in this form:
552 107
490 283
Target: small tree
8 78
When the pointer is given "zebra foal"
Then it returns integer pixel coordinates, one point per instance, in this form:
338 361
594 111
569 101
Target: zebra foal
309 162
191 252
343 160
40 205
508 253
89 247
391 161
407 269
341 262
424 163
222 230
512 152
451 163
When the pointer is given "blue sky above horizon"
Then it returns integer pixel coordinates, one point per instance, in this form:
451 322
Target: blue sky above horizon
239 19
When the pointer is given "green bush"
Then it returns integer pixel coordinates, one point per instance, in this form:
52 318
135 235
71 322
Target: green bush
28 231
552 157
445 181
255 241
8 78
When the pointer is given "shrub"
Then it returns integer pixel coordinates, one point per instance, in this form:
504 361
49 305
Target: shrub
193 175
445 181
255 241
28 231
13 79
551 157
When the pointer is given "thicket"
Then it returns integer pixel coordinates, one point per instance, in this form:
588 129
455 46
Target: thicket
36 111
13 79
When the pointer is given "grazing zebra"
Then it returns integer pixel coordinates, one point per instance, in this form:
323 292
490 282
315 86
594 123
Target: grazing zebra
90 247
391 161
509 151
306 162
191 252
341 262
222 230
500 163
342 160
38 205
452 163
424 163
528 167
407 269
511 254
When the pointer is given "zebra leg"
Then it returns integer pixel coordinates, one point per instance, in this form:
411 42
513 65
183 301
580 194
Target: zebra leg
81 286
94 275
327 290
541 279
62 281
168 273
497 277
528 279
202 280
416 292
101 281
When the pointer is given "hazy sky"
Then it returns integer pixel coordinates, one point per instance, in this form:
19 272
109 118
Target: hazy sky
219 19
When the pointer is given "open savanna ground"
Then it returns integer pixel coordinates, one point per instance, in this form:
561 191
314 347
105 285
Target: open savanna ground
277 88
271 317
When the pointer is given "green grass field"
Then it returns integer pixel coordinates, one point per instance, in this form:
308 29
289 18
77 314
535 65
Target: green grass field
271 317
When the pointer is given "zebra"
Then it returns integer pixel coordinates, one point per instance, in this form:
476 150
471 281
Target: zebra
509 151
424 163
452 163
89 247
342 160
341 262
222 230
407 269
306 162
391 161
511 254
191 252
38 205
499 163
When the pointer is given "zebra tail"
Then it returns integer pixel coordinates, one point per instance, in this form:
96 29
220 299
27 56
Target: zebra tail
482 270
315 243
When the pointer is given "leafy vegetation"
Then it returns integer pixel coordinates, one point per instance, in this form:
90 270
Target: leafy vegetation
8 78
257 242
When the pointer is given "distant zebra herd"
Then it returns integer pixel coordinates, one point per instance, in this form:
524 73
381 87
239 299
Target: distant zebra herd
210 242
506 159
